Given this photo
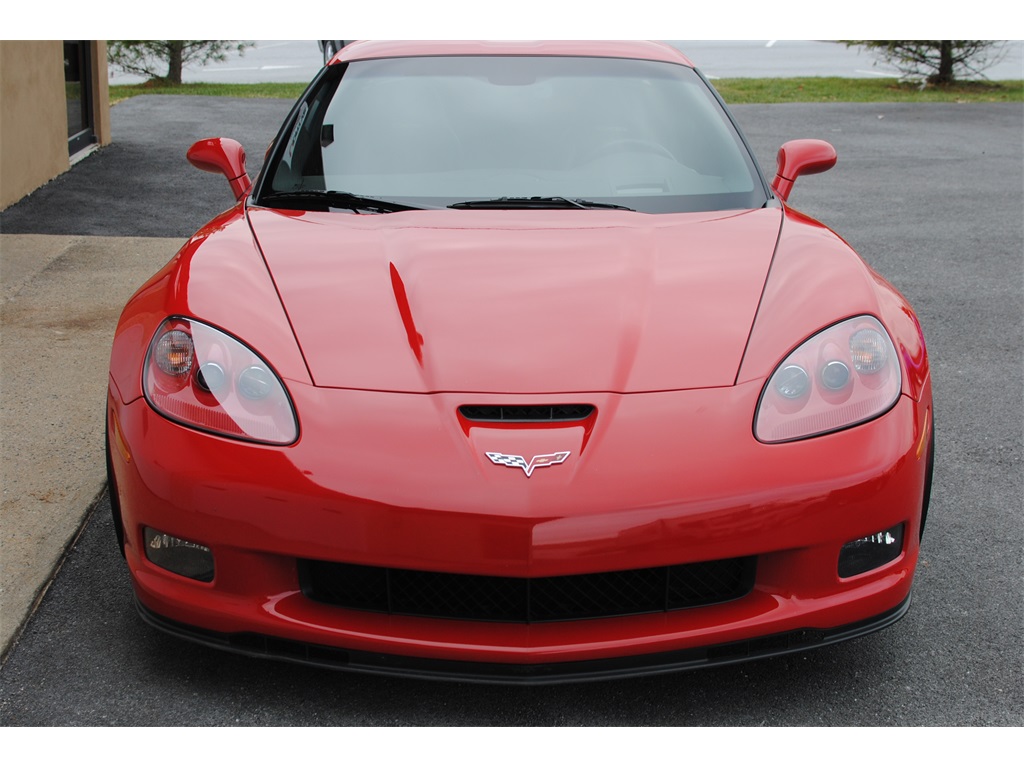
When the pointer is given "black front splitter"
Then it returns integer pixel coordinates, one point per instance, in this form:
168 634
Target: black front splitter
262 646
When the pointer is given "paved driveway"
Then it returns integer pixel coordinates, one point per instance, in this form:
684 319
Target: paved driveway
931 195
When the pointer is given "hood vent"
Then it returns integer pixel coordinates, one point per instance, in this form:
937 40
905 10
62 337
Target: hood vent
525 413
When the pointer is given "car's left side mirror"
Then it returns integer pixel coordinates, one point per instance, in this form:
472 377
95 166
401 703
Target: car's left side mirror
801 158
224 156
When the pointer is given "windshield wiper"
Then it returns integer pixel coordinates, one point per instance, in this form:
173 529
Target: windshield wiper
321 200
536 202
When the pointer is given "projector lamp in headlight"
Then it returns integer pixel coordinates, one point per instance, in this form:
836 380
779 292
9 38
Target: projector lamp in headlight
842 376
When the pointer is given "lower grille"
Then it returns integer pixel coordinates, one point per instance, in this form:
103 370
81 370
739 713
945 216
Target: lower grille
553 598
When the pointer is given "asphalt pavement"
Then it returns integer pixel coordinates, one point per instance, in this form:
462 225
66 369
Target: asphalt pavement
930 195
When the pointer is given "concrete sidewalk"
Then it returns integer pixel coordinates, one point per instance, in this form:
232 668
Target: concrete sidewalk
71 255
60 297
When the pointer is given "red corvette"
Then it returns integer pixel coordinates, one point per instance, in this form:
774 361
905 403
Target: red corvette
511 365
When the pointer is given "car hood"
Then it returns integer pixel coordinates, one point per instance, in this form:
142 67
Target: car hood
519 301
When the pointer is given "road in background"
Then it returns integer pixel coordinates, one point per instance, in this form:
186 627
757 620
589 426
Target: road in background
297 61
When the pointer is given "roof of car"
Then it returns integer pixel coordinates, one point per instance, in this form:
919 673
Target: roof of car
626 49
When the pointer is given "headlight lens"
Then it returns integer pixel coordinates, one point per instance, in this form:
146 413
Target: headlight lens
842 376
204 378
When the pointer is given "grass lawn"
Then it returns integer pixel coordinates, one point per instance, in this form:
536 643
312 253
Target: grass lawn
246 90
842 89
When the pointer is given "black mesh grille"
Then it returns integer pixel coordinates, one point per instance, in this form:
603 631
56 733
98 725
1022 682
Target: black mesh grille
554 598
528 413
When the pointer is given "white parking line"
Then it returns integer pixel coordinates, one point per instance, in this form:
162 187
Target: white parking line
252 69
876 73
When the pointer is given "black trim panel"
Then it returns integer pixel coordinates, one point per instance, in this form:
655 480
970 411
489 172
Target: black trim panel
262 646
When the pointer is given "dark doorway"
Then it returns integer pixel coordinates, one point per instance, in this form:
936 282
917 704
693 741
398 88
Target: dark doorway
78 87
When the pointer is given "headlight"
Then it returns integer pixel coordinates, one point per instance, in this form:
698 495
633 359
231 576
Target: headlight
842 376
203 378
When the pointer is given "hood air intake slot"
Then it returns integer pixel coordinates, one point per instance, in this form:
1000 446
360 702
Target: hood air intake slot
525 413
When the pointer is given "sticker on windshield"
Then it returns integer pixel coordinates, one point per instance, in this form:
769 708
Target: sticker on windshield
290 149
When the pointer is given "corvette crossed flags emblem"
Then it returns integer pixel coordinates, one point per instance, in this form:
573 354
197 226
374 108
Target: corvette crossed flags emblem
545 460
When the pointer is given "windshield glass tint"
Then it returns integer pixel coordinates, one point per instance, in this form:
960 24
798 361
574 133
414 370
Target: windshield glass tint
435 131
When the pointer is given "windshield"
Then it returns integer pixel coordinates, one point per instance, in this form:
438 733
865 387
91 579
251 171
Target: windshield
492 131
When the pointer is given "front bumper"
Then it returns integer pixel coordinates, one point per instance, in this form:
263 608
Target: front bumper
398 481
262 646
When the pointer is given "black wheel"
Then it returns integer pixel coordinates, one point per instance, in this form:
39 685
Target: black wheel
929 471
329 50
115 502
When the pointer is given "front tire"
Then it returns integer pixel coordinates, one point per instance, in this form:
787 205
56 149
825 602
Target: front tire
929 471
115 502
329 50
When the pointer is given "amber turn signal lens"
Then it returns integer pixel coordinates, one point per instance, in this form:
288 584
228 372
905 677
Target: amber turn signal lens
174 353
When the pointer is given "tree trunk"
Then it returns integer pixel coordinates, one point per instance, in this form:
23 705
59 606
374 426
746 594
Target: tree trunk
945 74
174 49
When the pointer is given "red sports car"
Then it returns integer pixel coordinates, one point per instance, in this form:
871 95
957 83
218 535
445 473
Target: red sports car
511 365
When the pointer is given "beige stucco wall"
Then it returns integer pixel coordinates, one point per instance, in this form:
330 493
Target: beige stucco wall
101 92
33 113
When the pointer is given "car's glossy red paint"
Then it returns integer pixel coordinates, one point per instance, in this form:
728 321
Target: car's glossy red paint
633 49
224 156
382 326
337 497
658 295
801 157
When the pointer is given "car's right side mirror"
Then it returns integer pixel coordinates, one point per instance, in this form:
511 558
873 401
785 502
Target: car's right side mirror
800 158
